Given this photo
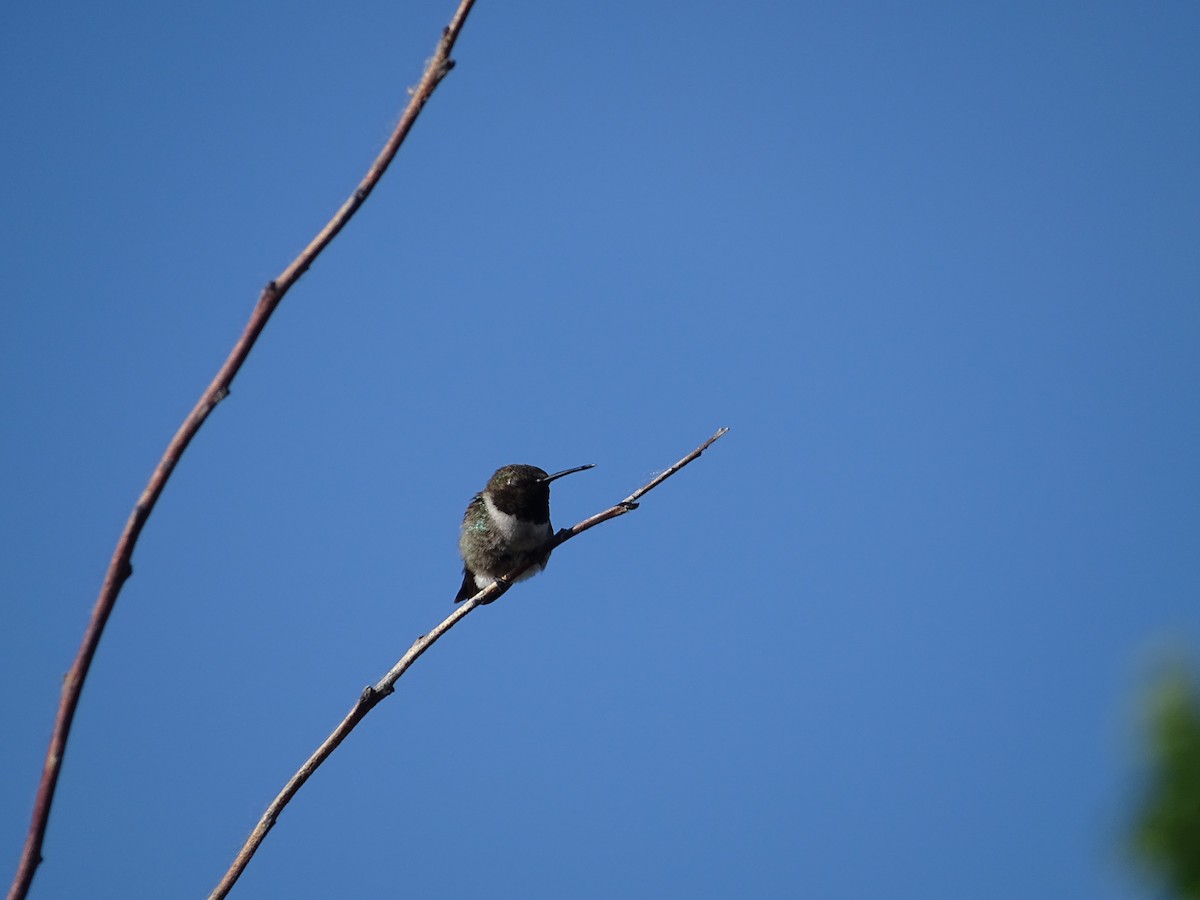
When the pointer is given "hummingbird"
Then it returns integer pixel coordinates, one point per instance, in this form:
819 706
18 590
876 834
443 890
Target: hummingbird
507 525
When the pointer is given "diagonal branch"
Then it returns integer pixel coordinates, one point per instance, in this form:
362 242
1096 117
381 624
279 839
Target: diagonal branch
373 694
120 568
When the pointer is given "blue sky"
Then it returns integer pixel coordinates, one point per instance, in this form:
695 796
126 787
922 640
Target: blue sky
935 265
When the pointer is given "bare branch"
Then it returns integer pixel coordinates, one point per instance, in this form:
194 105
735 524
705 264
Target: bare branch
630 503
371 695
120 567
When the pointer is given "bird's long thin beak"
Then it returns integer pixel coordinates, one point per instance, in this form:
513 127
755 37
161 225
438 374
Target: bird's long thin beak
550 478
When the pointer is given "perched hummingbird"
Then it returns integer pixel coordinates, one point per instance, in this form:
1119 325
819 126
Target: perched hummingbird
507 525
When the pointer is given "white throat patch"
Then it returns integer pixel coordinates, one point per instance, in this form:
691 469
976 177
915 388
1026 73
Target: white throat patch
521 535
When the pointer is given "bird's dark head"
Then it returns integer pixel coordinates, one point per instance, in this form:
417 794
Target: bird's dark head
516 478
524 491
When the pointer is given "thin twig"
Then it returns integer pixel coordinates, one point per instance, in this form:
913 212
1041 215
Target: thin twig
373 694
120 567
630 503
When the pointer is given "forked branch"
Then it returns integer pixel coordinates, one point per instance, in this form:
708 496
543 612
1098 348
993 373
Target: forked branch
371 695
121 567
